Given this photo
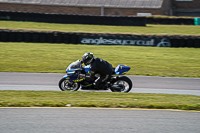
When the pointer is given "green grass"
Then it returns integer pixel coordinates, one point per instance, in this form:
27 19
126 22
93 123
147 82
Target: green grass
149 29
150 61
97 99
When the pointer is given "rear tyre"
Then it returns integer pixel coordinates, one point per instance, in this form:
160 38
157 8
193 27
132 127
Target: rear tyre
124 83
65 85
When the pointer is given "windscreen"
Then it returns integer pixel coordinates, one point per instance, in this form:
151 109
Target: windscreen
76 64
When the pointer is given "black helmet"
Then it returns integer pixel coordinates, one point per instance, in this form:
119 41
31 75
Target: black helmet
87 58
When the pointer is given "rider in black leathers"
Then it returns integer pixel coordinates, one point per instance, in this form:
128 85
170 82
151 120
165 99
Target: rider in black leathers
97 66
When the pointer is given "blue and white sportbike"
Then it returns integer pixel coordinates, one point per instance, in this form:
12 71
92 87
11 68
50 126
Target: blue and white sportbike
72 82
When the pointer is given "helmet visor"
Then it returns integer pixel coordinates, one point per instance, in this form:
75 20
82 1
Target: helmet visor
87 61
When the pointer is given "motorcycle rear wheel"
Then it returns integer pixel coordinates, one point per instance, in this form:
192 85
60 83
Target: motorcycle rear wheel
65 85
123 82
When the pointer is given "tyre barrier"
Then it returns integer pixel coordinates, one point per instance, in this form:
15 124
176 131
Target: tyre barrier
99 39
96 20
73 19
170 21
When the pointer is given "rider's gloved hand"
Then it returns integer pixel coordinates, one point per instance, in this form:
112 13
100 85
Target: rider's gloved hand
81 61
82 76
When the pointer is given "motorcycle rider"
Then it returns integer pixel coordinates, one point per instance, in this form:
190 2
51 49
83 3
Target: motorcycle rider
97 66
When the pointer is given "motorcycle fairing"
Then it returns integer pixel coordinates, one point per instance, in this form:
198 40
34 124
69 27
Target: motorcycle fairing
73 78
121 69
72 70
87 69
74 66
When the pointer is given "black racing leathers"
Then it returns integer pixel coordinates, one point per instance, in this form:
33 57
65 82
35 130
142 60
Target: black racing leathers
101 67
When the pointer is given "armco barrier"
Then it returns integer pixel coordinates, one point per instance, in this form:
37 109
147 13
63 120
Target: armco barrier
170 21
73 19
99 39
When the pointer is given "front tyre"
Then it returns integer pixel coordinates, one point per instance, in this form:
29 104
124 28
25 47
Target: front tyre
65 85
121 84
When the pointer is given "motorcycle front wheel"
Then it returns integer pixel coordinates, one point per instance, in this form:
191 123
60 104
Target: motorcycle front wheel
65 85
122 84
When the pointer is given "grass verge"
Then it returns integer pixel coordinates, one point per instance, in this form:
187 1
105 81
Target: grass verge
149 29
148 61
98 99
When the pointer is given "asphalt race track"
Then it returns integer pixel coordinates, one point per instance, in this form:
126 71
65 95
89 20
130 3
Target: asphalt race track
87 120
96 120
142 84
